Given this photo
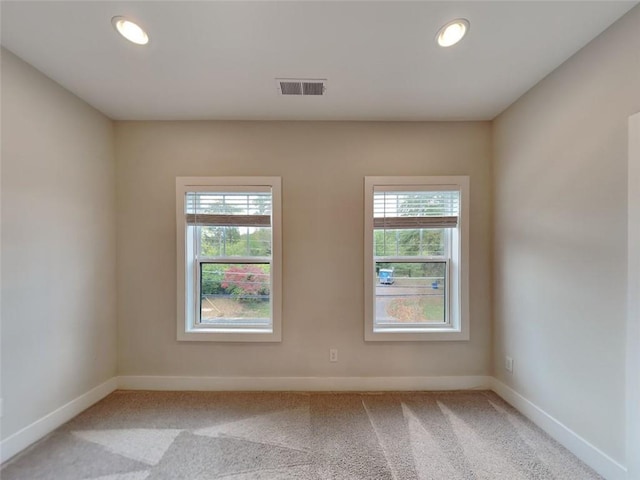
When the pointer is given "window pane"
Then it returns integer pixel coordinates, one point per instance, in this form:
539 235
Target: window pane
409 242
410 292
235 294
235 241
259 242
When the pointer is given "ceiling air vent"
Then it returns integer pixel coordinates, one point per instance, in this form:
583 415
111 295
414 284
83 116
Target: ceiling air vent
300 86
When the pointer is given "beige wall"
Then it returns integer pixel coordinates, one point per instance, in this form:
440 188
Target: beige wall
58 246
560 252
322 166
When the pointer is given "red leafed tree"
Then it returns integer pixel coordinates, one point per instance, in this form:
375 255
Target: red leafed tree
246 281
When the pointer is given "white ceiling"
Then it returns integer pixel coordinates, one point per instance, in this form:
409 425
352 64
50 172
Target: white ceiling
218 60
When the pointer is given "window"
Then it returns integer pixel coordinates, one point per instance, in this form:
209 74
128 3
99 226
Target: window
229 250
416 257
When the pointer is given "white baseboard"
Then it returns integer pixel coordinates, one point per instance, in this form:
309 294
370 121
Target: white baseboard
589 454
32 433
341 384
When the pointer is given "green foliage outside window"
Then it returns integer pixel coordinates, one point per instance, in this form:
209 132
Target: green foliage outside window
235 241
409 243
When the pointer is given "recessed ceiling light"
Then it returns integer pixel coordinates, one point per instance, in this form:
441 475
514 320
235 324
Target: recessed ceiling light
452 32
130 30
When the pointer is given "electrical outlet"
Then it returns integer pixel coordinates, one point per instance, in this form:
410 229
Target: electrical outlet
508 364
333 354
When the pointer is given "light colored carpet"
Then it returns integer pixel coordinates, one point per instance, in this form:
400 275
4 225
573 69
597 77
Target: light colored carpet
278 436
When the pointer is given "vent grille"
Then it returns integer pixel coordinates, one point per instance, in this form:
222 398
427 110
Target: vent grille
312 88
291 88
303 87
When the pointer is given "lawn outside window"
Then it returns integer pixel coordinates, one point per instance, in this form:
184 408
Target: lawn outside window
229 258
416 257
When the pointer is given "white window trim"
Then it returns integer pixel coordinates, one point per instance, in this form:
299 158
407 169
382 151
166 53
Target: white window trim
186 331
459 327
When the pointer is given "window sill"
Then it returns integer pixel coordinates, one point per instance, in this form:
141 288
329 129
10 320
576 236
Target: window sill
229 335
416 335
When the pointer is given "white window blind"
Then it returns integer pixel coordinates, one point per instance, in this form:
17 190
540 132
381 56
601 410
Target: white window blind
219 209
399 209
